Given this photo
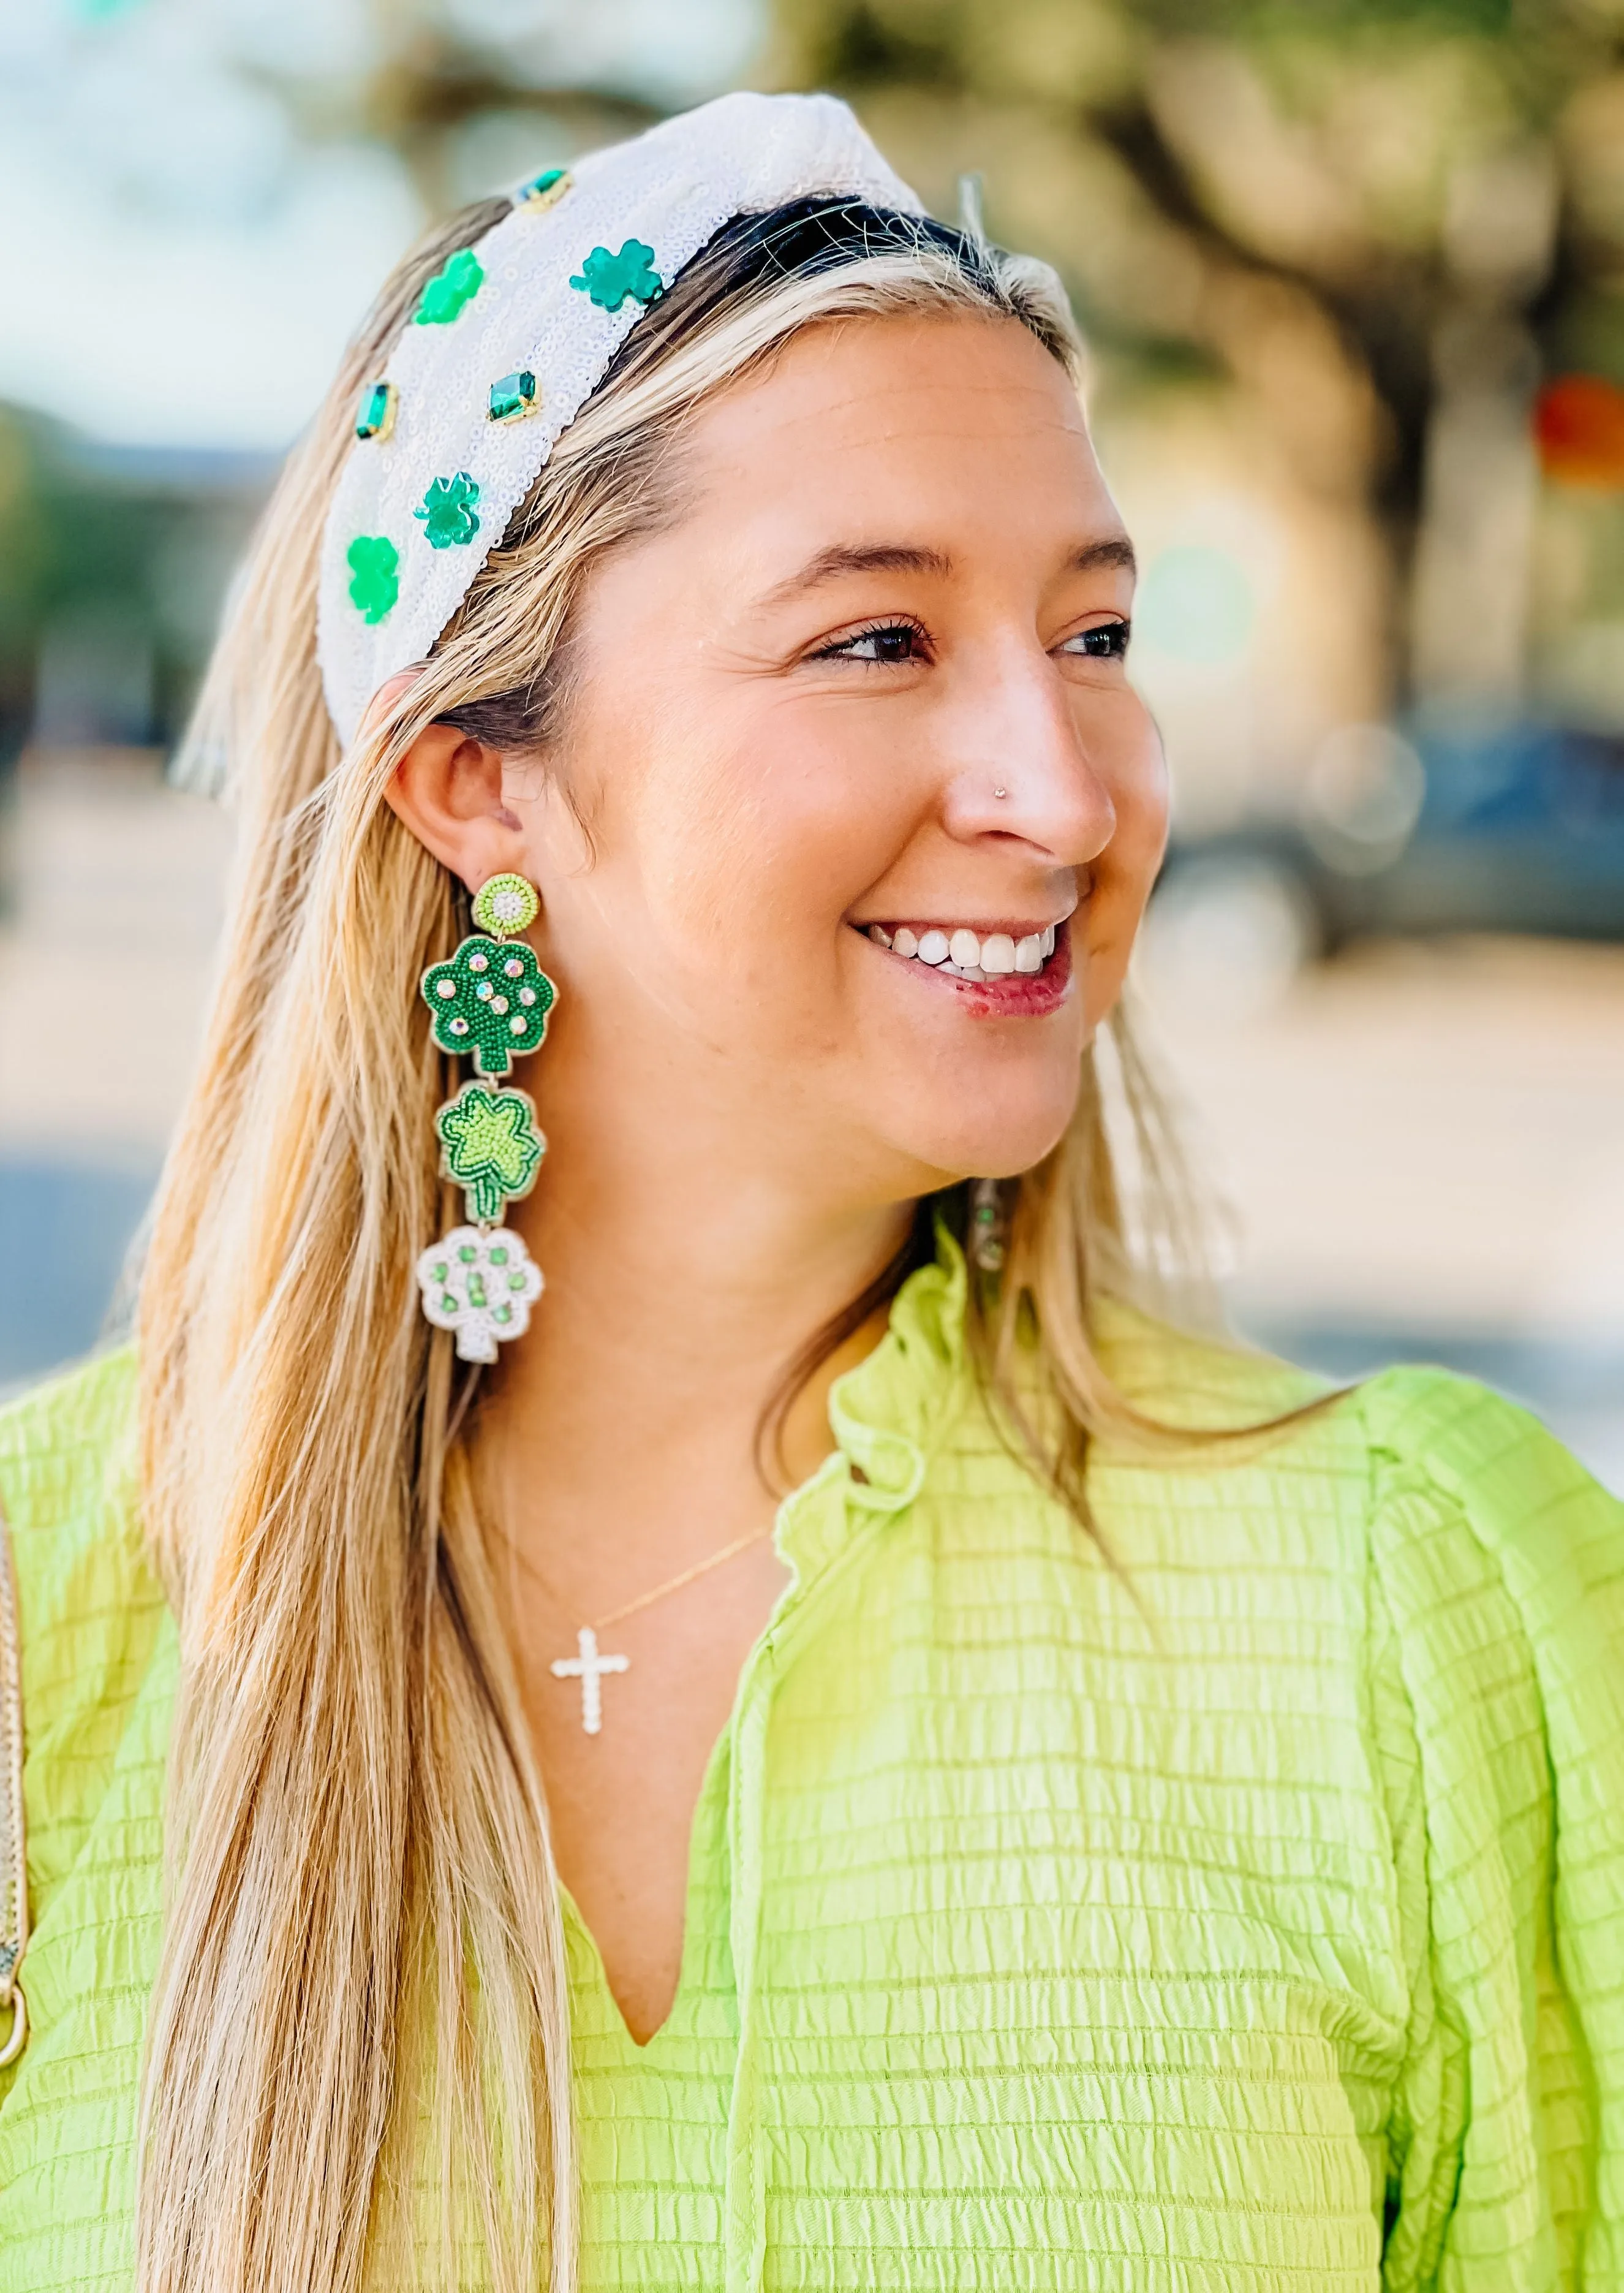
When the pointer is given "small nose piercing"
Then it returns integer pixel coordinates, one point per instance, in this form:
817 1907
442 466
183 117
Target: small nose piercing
1000 793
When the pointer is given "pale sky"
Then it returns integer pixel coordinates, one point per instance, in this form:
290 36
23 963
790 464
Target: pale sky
179 264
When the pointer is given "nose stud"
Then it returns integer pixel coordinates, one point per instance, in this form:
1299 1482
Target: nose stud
1000 793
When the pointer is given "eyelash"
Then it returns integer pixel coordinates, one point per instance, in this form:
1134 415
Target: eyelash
1106 641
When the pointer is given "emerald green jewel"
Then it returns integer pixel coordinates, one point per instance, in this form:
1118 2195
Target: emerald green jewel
447 511
467 1255
515 1282
543 190
447 1303
515 396
440 1270
609 279
376 417
498 1258
492 1148
374 564
476 1290
448 293
502 1314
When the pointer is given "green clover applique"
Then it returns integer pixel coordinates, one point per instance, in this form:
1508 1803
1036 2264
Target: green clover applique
492 1146
448 293
609 278
490 1001
447 511
375 584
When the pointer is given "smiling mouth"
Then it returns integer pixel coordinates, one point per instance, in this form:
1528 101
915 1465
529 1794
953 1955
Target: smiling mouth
964 953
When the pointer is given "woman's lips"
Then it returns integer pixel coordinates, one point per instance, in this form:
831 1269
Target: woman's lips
1011 994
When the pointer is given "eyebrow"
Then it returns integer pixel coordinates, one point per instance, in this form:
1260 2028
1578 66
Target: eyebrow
856 557
843 558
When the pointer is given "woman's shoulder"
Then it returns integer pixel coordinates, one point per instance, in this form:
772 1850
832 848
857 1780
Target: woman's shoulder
1423 1458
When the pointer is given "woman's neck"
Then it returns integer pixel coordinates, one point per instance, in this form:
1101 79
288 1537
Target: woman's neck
621 1431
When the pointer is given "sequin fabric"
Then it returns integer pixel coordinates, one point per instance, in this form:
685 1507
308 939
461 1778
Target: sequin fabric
1243 1917
671 189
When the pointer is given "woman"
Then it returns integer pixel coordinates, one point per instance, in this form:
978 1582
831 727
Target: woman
1087 1844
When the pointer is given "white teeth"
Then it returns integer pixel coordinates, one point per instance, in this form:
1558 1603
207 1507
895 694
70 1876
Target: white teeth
967 955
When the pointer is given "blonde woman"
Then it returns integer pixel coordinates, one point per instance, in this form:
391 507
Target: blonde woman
813 1754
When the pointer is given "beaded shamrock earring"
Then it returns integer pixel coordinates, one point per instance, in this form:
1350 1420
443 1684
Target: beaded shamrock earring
489 1001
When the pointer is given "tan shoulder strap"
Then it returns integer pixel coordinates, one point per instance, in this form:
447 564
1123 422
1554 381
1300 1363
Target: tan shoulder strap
14 1836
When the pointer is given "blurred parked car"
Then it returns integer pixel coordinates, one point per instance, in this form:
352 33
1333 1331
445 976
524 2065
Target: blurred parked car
1517 830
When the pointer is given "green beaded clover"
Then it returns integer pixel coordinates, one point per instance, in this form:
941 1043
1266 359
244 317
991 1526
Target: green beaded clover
374 564
448 293
489 1001
610 278
492 1146
447 511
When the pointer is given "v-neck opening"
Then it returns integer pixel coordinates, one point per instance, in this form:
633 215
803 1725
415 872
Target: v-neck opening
686 1972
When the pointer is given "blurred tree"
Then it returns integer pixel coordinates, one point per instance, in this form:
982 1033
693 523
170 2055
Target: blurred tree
1386 219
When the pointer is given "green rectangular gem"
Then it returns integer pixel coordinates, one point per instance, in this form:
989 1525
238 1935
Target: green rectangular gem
514 397
544 190
376 417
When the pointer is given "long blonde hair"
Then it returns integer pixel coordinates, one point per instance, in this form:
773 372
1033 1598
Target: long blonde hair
359 2046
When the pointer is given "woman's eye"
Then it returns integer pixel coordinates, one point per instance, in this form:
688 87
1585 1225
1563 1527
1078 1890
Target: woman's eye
890 641
1106 641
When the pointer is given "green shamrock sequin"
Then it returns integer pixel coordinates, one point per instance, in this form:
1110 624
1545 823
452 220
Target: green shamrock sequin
492 1146
448 293
610 278
447 511
374 564
490 1001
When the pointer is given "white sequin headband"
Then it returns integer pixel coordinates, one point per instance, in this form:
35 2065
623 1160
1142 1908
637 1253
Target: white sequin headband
511 337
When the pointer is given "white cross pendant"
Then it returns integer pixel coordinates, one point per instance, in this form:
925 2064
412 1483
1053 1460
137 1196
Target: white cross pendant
589 1668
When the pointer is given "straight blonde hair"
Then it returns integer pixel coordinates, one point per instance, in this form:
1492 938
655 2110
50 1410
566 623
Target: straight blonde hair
358 2052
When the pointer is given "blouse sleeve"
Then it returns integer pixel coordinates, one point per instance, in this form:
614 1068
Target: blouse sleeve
1499 1579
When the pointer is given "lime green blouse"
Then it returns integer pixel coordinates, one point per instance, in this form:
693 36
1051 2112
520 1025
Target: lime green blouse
1245 1911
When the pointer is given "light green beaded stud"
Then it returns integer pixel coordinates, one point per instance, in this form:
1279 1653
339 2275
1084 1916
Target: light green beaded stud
505 906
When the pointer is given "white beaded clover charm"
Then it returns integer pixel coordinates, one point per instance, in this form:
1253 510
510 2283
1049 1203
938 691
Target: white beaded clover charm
480 1285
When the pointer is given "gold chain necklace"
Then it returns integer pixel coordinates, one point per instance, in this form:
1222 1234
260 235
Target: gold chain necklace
587 1664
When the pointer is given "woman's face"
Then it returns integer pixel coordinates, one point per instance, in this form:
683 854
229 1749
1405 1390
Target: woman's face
865 695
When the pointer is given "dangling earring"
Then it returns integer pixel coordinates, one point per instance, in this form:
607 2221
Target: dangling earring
987 1227
489 1001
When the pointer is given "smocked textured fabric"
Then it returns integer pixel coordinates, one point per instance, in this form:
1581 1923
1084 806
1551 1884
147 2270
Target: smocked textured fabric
1245 1913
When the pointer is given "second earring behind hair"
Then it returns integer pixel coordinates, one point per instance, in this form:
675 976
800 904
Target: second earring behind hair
489 1003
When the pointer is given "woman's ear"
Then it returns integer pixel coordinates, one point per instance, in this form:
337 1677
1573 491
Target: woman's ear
447 789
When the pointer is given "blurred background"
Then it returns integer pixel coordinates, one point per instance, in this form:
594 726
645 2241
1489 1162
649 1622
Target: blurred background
1353 274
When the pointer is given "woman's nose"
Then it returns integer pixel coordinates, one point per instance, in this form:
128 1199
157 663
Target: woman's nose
1030 759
